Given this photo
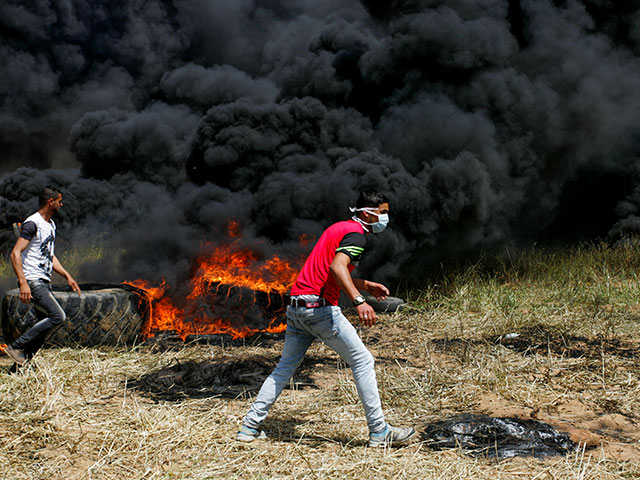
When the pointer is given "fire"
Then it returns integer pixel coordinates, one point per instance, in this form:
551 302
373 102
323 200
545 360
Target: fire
233 229
224 274
242 268
162 313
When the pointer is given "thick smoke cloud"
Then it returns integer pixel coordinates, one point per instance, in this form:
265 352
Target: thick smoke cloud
486 122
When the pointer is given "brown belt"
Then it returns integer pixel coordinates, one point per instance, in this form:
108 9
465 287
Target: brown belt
299 302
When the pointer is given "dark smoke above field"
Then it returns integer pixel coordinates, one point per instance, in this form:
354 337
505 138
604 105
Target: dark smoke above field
485 122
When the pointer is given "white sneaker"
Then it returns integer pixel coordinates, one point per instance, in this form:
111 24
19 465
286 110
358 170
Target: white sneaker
248 434
391 435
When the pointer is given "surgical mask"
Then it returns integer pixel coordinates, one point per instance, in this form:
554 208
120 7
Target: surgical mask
376 227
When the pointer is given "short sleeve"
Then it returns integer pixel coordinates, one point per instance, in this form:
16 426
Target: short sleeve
352 245
28 230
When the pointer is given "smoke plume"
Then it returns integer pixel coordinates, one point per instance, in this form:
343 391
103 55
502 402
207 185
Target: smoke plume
486 122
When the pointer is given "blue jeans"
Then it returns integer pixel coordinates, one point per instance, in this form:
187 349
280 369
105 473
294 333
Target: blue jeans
328 324
49 308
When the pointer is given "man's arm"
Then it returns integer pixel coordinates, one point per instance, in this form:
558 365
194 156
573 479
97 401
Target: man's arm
57 267
339 269
16 263
378 290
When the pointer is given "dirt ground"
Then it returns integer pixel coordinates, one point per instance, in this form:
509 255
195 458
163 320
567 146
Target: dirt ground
169 410
600 426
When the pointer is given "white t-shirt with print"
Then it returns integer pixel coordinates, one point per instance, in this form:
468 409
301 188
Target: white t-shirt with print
37 258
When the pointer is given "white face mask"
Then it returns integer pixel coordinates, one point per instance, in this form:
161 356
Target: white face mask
376 227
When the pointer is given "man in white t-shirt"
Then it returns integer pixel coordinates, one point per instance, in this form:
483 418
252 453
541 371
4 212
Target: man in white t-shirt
33 260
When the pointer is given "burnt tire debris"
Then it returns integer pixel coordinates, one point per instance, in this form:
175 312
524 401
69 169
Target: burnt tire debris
498 437
102 315
203 379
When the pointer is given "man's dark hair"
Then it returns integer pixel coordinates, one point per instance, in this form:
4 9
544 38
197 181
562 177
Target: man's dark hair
46 194
371 199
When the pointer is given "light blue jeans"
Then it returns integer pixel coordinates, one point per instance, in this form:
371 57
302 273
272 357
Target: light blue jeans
328 324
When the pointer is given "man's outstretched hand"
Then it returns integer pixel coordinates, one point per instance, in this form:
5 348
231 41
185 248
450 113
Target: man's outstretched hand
377 290
25 293
73 284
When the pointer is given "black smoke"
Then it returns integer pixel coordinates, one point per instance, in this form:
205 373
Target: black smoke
485 122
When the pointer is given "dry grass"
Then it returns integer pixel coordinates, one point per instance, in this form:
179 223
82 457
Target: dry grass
152 413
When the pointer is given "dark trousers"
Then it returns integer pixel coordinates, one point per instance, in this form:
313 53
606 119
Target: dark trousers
48 310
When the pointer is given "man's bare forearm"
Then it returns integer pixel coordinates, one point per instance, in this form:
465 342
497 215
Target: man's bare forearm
16 261
345 282
361 284
59 269
17 268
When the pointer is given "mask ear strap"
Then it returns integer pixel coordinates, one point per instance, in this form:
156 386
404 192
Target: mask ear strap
355 218
364 224
364 209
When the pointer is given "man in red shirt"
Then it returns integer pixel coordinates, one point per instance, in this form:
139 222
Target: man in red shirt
314 313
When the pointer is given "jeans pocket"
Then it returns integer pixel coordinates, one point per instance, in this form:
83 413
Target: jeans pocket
317 315
38 288
319 324
293 328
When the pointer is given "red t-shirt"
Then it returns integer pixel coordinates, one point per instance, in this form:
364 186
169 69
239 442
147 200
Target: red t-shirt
315 278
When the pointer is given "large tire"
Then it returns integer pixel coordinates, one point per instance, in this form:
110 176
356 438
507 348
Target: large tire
388 305
102 315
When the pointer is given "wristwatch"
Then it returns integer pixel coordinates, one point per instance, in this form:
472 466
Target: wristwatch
359 300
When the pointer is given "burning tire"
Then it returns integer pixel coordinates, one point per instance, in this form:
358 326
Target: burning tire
102 315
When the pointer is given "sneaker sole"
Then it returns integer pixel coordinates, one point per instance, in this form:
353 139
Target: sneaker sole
241 437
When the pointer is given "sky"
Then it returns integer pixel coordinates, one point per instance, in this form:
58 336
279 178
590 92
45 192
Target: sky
488 123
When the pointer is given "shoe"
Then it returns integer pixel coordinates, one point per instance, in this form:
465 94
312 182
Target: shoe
248 434
17 354
390 435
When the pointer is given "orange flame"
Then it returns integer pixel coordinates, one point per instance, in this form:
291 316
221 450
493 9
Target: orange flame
233 229
232 266
242 268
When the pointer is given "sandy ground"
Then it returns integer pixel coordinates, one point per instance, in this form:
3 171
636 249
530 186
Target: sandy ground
601 426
